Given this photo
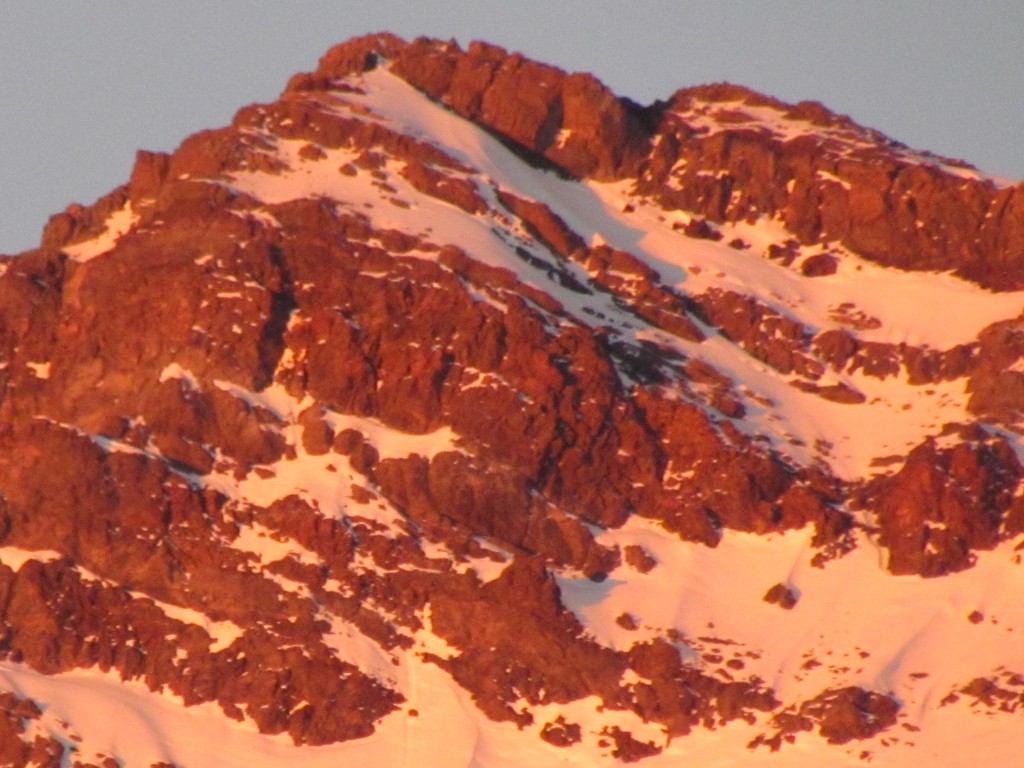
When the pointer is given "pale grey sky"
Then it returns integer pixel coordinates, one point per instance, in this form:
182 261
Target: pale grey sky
83 85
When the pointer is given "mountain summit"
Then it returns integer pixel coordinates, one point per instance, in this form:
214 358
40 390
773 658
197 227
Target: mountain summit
453 411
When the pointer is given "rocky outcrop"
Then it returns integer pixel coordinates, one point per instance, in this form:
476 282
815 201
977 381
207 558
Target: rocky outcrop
729 154
767 335
19 747
782 596
124 534
1001 692
945 503
996 386
676 694
569 121
840 716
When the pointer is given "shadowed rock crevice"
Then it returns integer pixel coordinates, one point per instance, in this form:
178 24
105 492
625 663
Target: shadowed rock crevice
282 304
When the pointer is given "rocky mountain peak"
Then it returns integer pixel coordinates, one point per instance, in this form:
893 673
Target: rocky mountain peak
571 121
453 410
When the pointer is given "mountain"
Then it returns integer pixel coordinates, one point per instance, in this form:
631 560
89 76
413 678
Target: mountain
453 411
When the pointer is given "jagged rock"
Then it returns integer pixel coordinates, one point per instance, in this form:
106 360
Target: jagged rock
269 418
629 749
841 716
700 229
782 596
770 337
819 265
561 733
880 201
638 558
946 502
571 120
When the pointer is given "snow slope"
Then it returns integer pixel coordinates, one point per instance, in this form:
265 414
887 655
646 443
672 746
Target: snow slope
910 625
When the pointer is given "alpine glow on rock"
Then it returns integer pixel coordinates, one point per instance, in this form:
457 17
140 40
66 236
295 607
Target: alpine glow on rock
453 412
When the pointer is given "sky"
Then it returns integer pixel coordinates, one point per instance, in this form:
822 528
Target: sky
84 85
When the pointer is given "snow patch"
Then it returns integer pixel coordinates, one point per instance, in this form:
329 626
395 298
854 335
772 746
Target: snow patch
392 443
117 224
39 370
15 557
223 633
174 371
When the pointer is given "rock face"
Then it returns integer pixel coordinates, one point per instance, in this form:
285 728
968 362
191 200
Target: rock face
442 364
944 504
730 154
